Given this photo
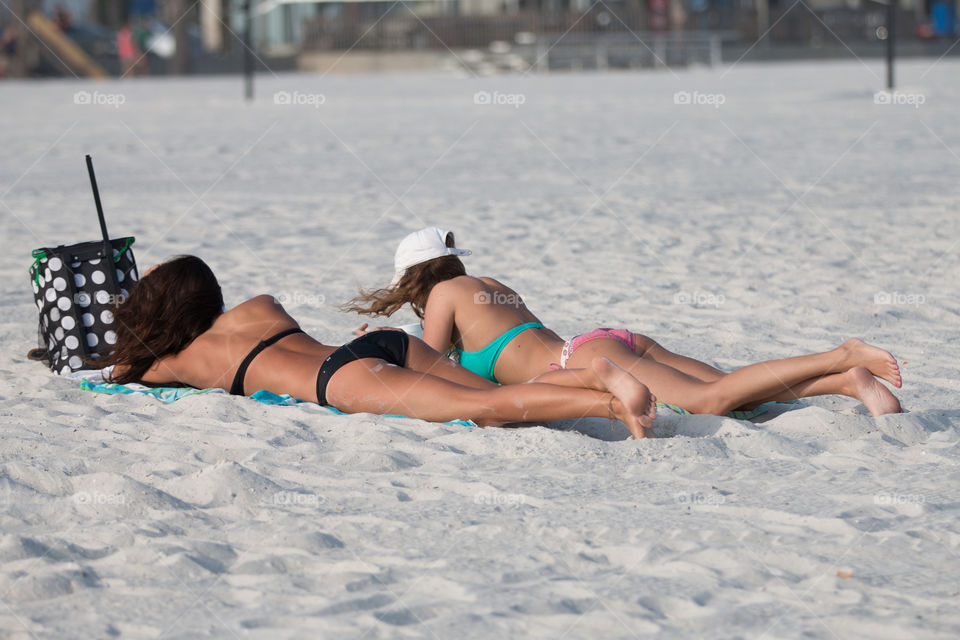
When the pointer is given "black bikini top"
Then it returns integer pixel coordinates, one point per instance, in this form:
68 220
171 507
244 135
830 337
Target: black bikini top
237 387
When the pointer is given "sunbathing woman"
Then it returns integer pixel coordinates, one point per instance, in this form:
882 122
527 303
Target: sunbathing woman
497 337
173 329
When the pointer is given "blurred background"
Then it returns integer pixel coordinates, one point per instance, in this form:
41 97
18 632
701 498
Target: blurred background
99 38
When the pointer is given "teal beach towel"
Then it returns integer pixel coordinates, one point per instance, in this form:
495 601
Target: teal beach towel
172 394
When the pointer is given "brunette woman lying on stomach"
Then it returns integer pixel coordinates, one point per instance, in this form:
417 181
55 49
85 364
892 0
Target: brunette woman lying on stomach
173 329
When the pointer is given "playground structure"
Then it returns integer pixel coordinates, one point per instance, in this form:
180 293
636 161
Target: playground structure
60 49
39 38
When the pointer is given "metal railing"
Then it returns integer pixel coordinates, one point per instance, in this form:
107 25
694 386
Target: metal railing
596 39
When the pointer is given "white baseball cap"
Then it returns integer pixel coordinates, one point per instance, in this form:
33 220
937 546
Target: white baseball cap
420 246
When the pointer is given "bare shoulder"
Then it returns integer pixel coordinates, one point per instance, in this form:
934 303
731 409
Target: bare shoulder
454 286
258 305
263 308
451 294
264 300
493 282
499 287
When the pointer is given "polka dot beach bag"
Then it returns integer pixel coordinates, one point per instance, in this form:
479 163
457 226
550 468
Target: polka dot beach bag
77 289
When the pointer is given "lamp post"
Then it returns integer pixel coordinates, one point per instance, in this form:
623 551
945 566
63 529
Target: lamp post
887 32
248 49
891 32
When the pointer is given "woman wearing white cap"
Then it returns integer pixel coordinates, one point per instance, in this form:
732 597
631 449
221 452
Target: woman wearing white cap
487 324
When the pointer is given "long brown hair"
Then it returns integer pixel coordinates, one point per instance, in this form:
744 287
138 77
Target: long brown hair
414 288
166 310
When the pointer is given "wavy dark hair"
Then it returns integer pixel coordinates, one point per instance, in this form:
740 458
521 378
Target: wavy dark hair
166 310
414 288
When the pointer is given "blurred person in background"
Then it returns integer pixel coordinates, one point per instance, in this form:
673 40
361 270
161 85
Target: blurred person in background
8 46
127 50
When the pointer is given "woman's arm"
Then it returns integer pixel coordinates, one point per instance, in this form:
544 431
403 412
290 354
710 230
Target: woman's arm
438 317
163 371
364 329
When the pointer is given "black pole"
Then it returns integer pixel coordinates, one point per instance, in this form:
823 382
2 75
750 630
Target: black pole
891 30
248 49
96 199
108 259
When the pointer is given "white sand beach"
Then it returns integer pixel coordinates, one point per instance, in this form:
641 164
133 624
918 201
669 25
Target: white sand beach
778 213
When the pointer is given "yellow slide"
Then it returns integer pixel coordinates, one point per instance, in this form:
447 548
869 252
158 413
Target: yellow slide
64 48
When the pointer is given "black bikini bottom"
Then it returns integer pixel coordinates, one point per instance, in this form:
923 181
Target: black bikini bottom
387 345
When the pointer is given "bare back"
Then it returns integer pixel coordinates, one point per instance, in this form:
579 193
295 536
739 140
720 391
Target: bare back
289 366
474 312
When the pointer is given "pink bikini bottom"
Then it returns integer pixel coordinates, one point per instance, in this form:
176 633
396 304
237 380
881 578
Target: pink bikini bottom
623 335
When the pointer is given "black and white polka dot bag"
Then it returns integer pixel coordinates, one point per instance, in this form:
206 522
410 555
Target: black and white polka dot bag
77 289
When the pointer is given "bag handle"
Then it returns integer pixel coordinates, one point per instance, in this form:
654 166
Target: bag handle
108 258
107 250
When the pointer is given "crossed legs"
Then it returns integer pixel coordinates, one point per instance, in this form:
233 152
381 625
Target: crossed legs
850 370
433 388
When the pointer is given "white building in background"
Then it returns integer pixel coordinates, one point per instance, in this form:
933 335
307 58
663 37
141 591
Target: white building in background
278 24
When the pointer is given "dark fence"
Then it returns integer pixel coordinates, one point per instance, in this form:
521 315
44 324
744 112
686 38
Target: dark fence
402 29
374 26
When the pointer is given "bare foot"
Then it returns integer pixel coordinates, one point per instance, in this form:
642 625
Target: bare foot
634 405
868 390
877 361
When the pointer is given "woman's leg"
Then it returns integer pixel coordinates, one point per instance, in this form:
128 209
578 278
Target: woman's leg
424 358
371 385
602 375
851 383
599 376
647 347
856 382
750 384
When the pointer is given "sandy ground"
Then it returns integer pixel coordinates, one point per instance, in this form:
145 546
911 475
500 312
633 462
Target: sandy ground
778 213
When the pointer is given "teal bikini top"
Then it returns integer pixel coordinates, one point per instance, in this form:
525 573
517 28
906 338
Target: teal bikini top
482 362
